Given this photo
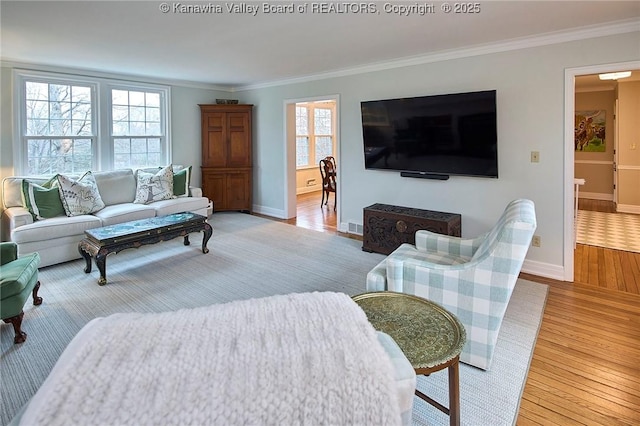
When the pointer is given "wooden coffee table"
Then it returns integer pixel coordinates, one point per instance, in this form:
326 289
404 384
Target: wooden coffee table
100 242
430 337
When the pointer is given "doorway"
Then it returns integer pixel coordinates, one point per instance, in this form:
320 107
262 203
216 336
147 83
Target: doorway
569 167
302 177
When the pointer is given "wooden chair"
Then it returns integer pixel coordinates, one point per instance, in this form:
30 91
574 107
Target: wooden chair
328 171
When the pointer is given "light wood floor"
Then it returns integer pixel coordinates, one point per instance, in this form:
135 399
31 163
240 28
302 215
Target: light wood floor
586 363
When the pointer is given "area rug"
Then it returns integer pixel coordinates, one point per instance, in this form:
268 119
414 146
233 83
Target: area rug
619 231
249 257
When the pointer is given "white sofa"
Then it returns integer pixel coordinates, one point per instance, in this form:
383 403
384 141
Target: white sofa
56 239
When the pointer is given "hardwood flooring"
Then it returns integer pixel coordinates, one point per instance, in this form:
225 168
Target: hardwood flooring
586 363
602 267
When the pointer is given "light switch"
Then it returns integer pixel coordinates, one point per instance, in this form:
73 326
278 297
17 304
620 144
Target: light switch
535 156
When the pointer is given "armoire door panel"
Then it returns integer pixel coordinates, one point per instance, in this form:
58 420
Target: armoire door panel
238 191
239 154
214 152
214 188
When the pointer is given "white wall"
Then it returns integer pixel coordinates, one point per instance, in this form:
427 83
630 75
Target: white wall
530 100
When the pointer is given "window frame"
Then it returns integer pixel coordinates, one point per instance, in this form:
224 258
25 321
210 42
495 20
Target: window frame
102 148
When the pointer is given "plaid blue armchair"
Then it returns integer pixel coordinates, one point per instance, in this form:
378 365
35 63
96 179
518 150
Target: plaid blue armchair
472 278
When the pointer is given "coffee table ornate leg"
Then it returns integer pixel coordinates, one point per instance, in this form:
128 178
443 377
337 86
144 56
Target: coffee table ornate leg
87 258
454 394
208 231
101 263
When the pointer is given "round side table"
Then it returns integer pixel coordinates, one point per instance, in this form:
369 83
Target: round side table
430 337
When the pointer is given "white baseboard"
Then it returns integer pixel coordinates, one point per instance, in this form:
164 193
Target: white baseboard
628 208
306 190
543 269
595 196
269 211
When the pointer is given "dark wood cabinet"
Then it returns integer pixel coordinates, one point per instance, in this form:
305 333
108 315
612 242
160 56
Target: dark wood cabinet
386 227
226 156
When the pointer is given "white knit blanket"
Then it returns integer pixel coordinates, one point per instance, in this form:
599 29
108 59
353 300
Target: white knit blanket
298 359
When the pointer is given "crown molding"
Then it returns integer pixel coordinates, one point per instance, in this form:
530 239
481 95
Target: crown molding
88 72
582 33
557 37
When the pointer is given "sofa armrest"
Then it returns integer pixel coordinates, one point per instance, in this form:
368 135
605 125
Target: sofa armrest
195 191
8 252
430 241
13 218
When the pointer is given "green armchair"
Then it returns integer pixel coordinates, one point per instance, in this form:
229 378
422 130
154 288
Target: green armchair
18 278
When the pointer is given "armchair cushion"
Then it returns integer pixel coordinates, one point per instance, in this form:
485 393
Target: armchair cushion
15 276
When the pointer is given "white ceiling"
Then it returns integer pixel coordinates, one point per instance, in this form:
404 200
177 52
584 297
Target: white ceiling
236 49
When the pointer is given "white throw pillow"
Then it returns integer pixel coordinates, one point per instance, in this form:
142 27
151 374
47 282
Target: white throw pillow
79 196
154 187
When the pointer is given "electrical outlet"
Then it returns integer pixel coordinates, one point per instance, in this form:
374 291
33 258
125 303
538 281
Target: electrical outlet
535 241
535 156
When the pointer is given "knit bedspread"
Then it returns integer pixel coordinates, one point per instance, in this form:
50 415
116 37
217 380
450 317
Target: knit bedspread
298 359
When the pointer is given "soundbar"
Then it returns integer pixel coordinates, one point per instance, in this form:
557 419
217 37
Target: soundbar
424 175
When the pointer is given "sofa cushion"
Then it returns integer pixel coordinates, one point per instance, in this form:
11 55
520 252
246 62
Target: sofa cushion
117 186
80 196
55 227
181 204
125 212
181 181
42 201
154 187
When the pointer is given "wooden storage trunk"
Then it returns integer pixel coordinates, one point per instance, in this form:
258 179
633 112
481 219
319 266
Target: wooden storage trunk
385 227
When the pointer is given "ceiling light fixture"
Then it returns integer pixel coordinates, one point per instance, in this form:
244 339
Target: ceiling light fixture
615 75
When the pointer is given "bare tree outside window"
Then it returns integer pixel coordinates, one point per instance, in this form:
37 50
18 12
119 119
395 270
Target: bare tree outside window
59 133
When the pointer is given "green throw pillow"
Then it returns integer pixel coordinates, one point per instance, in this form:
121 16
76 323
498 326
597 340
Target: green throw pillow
181 181
42 201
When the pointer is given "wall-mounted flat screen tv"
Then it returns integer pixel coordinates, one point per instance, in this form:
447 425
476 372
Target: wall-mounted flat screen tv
440 135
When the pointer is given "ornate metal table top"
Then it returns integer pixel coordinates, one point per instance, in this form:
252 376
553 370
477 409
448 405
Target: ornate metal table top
428 334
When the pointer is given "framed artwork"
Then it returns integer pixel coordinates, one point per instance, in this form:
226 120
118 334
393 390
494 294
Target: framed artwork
589 131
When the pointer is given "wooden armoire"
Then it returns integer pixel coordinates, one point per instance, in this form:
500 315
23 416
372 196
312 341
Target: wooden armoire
226 156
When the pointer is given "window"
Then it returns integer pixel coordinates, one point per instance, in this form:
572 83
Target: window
59 134
70 125
302 136
314 132
136 128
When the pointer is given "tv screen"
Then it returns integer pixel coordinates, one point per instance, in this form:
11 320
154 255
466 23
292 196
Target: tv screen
453 134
